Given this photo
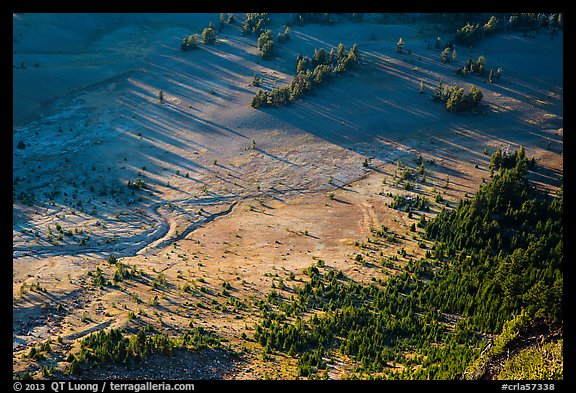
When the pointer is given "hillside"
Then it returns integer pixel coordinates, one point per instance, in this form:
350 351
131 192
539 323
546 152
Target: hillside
344 196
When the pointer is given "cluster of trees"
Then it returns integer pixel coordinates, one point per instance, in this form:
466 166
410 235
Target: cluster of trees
310 72
208 36
470 33
266 41
115 346
373 324
255 23
266 44
123 272
529 21
137 184
448 53
284 36
189 42
324 18
455 98
477 67
495 255
401 202
504 249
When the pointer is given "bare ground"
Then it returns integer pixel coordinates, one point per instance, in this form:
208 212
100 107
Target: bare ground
213 209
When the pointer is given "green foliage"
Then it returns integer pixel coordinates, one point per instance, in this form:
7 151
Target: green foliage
209 34
408 203
160 281
114 346
510 331
512 239
35 354
255 23
285 36
445 55
471 32
122 273
529 21
477 67
310 73
98 278
190 42
266 44
455 98
137 184
256 81
497 254
540 362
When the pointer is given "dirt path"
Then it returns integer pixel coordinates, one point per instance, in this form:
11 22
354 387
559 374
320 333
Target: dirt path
166 240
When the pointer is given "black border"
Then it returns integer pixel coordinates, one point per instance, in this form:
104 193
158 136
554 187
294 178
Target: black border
58 6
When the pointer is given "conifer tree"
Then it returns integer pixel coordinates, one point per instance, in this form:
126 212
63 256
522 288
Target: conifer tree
209 34
400 46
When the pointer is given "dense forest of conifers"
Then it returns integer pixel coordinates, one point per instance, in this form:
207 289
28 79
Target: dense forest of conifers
495 256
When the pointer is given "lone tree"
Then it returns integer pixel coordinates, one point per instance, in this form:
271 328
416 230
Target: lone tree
209 34
491 76
445 55
189 42
400 46
421 91
438 43
161 96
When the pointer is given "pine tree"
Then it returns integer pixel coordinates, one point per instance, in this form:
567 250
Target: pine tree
400 46
209 34
353 54
256 81
192 41
266 44
444 55
340 51
475 95
438 43
161 96
319 56
491 75
421 91
438 90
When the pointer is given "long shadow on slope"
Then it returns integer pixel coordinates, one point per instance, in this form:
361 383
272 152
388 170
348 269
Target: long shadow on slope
387 110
